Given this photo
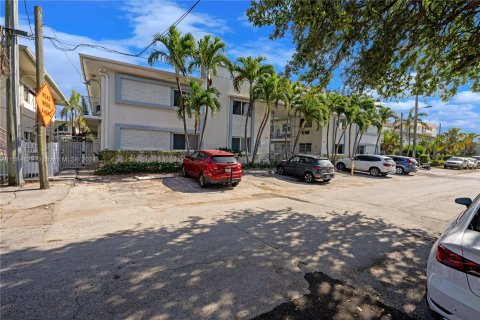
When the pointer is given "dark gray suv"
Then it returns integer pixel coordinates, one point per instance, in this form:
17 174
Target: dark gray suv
309 167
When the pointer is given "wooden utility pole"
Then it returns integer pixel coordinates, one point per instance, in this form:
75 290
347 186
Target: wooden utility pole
41 130
14 152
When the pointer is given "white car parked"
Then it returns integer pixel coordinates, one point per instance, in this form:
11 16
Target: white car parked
376 165
453 267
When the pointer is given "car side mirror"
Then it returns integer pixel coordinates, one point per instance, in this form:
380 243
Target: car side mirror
465 201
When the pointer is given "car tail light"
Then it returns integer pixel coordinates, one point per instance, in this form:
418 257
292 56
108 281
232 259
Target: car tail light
456 261
386 164
409 161
318 168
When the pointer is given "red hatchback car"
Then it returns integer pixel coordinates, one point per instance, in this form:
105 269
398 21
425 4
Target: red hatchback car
213 167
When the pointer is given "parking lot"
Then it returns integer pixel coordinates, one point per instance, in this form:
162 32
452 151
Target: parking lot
161 247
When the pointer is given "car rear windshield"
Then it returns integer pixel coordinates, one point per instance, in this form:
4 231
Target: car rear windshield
323 162
455 159
224 159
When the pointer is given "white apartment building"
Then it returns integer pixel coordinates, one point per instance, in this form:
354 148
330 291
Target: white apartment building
313 140
28 115
135 108
423 129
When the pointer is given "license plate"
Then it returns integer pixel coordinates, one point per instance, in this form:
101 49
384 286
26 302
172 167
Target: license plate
228 169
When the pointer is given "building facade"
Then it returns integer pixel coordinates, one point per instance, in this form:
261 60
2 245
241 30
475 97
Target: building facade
135 108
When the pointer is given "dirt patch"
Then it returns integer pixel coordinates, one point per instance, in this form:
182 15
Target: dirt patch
332 299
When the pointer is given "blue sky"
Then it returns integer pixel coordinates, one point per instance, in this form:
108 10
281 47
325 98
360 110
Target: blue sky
128 26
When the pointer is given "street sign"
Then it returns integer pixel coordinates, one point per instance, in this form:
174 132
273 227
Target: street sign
45 104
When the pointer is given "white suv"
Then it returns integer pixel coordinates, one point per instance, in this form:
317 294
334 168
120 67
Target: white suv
453 267
374 164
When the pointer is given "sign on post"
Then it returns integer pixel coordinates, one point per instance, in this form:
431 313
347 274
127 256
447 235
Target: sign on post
45 104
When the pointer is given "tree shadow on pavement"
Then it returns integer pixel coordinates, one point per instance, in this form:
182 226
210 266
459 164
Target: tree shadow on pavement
238 266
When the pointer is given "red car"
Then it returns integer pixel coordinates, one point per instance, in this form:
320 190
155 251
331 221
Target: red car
213 167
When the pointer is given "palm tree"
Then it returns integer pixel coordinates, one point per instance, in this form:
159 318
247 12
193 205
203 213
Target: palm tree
266 89
310 107
384 114
363 120
290 93
197 98
178 49
249 69
409 122
208 55
350 116
349 110
74 108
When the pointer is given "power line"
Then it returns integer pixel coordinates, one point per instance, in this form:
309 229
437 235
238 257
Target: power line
28 16
62 45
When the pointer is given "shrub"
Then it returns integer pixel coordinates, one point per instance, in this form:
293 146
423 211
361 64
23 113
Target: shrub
446 157
437 163
260 165
424 158
139 167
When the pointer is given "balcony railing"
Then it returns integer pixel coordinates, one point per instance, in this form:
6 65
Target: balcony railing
92 106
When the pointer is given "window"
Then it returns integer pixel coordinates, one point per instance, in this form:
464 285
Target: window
176 97
475 224
343 123
339 148
294 159
240 108
224 159
25 93
306 132
179 141
306 160
305 148
308 123
361 149
238 144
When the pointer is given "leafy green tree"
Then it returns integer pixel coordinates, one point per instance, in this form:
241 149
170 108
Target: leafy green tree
209 54
250 70
382 45
290 93
390 141
178 50
363 119
267 90
197 98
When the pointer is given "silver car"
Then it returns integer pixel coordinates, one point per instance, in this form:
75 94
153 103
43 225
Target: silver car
456 163
376 165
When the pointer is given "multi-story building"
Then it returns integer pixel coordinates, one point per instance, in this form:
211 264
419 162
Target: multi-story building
136 109
424 129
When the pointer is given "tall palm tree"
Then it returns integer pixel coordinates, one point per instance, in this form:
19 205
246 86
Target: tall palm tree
384 114
199 97
409 123
290 93
310 107
348 110
267 90
209 54
74 108
363 120
178 50
250 70
355 102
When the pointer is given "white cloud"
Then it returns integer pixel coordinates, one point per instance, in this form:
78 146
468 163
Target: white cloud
466 97
243 19
277 52
148 17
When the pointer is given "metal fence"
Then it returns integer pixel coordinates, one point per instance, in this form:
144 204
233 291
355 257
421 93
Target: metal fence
79 154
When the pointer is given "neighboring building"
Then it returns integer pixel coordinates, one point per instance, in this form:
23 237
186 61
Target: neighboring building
26 91
424 129
135 108
314 141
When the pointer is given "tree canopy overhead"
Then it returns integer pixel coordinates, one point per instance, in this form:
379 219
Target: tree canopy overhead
392 46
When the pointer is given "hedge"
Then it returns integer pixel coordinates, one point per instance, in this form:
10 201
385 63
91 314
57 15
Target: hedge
139 167
437 163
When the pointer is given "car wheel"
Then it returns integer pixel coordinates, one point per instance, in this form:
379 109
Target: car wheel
308 177
184 172
234 184
374 171
400 170
281 170
201 181
341 166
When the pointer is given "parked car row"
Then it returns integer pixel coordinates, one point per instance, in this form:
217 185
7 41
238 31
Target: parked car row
462 163
376 165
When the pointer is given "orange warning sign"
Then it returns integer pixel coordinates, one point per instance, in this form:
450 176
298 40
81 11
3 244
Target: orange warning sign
45 104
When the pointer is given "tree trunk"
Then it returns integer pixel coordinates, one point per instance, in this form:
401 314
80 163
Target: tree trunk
300 128
250 107
184 115
409 137
286 132
355 145
206 115
376 146
260 132
336 147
